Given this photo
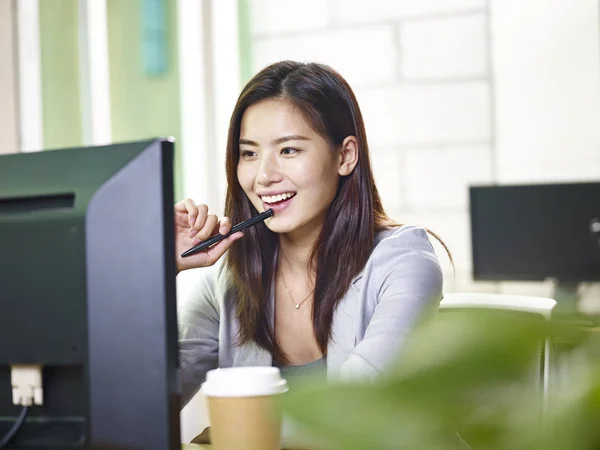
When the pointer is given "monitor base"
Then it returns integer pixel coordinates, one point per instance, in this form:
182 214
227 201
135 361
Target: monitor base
566 295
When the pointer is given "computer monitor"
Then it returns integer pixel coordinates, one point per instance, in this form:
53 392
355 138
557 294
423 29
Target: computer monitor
537 232
87 290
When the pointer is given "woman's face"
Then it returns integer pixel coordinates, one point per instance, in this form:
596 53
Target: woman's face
285 165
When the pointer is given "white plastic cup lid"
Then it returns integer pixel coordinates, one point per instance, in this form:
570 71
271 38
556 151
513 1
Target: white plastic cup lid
244 382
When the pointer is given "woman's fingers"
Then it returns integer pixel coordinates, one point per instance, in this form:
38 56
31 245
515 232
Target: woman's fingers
181 215
212 226
197 220
225 225
194 224
207 229
197 216
187 212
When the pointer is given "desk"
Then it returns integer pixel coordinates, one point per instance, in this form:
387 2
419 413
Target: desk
196 447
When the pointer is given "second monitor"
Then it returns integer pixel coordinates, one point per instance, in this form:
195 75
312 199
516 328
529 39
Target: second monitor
537 232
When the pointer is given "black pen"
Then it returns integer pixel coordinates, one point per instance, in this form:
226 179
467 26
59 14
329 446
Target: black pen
219 237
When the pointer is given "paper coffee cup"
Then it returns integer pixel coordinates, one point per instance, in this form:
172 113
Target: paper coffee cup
241 407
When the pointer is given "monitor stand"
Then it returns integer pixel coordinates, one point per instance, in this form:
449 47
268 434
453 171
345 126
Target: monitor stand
566 295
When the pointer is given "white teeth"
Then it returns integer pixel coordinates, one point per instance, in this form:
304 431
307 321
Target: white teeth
277 198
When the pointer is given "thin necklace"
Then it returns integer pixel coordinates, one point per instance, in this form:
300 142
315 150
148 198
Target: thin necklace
296 305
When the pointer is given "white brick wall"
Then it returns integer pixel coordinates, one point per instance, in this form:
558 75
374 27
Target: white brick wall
349 51
431 186
407 114
388 166
462 281
455 92
361 11
547 76
545 169
448 47
284 16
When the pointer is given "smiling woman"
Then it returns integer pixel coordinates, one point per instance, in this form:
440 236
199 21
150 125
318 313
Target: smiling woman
329 284
281 156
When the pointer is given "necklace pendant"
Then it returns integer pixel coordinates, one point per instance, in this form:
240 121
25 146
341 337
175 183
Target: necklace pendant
297 306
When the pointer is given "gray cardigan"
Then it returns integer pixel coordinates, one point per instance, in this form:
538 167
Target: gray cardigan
401 282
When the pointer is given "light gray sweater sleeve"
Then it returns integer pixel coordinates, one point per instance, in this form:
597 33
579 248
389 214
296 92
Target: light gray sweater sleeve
405 277
198 318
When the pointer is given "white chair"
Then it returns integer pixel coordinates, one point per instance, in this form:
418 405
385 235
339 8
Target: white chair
540 364
540 305
516 303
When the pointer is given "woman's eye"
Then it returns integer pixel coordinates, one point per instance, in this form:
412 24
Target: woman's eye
288 151
247 153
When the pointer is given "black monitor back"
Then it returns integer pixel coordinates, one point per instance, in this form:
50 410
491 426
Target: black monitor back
87 289
535 232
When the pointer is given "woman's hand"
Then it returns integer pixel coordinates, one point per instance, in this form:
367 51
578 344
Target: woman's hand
193 224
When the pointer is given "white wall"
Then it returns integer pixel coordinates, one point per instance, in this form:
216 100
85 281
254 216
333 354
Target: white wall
455 92
547 89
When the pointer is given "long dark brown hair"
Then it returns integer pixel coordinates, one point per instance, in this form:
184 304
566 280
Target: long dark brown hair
328 104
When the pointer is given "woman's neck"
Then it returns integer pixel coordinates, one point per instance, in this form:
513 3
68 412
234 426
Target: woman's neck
295 251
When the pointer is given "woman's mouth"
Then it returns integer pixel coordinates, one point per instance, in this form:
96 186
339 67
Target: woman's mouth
277 202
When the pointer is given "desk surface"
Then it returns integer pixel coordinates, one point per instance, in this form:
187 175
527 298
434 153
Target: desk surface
195 447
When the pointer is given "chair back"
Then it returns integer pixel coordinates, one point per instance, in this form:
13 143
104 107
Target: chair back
502 306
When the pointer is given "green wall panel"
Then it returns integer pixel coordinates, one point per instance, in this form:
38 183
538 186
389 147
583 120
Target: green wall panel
61 100
143 105
245 41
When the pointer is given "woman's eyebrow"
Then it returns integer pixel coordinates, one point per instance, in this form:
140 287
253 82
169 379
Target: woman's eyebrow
280 140
293 137
248 142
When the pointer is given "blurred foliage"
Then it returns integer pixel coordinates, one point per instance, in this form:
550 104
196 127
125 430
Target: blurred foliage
474 374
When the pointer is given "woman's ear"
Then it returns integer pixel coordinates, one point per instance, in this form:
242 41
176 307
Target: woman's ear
348 157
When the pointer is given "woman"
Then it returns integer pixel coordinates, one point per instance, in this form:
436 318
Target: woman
330 280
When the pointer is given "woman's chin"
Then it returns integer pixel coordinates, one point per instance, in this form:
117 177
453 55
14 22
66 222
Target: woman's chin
276 225
278 229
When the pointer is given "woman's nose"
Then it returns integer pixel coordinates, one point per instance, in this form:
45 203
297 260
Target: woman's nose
269 171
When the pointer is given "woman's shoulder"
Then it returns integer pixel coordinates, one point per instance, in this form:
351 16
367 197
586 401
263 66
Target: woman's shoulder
405 247
403 236
405 253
